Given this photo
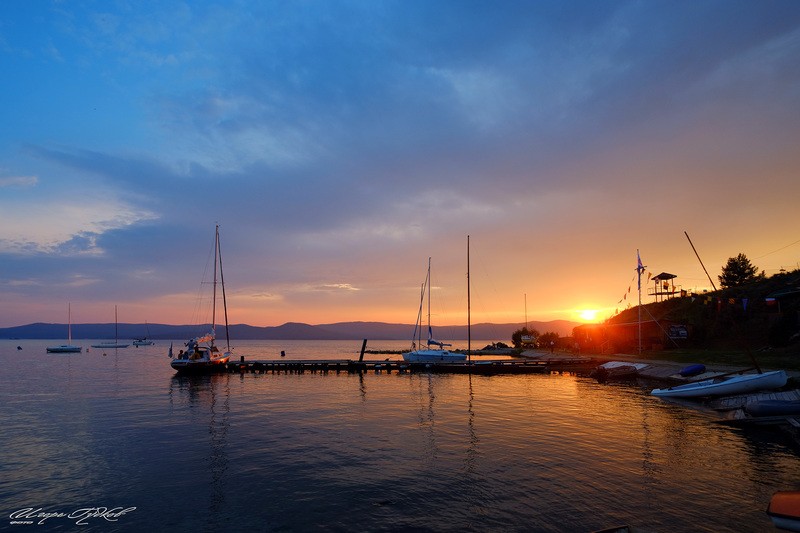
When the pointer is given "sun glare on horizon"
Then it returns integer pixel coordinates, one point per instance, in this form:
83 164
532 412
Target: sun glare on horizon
588 315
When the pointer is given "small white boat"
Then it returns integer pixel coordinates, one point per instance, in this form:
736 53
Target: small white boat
201 354
66 348
144 341
433 356
430 355
727 385
116 343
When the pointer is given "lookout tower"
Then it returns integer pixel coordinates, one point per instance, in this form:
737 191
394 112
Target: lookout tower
664 286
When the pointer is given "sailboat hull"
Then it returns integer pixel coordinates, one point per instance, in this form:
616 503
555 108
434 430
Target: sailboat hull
110 345
189 366
64 348
433 356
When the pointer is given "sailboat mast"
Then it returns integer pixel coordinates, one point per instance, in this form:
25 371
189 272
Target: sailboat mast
69 323
428 282
224 299
214 297
469 311
116 331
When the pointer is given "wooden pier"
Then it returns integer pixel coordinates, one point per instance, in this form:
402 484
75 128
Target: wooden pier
484 367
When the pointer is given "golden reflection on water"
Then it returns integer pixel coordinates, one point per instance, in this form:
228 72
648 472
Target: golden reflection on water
530 452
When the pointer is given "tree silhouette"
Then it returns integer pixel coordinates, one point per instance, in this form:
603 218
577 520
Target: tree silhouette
738 271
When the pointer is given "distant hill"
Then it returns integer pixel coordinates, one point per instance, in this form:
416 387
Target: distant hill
288 331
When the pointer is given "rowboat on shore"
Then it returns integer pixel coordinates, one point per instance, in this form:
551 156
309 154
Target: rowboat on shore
726 385
617 371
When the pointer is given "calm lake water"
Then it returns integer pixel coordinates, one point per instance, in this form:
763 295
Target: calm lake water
373 452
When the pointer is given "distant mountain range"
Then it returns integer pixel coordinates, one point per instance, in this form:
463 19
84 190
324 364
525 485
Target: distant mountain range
288 331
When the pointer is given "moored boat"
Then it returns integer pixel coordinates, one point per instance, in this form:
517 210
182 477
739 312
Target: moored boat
144 341
69 347
429 355
726 385
116 343
202 354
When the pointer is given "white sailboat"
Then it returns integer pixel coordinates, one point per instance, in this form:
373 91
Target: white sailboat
69 347
144 341
116 343
429 355
202 354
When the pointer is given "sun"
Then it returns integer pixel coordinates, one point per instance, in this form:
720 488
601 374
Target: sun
588 314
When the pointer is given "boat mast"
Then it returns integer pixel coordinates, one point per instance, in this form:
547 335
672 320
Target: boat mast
116 332
469 322
224 299
428 283
69 323
214 296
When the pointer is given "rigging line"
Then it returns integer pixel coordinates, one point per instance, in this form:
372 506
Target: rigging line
778 250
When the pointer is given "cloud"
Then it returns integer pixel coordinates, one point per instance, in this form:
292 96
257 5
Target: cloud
19 181
338 287
56 226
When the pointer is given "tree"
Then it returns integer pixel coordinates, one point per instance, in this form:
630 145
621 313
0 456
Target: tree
546 338
738 271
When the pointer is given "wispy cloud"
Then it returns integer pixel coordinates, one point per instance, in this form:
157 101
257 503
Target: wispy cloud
19 181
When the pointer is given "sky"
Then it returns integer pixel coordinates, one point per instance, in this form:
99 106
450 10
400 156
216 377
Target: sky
340 144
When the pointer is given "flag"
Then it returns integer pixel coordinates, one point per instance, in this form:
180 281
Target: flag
639 269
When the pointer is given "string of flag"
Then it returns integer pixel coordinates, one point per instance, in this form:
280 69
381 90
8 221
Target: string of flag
630 285
719 303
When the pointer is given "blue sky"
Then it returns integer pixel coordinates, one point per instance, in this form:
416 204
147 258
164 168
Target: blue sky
340 144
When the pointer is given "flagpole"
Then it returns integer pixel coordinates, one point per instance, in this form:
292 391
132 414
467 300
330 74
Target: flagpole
639 269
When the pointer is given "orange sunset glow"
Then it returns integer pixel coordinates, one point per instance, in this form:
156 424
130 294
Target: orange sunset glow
560 152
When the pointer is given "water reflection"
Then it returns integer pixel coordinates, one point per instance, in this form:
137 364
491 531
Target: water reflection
373 451
208 399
